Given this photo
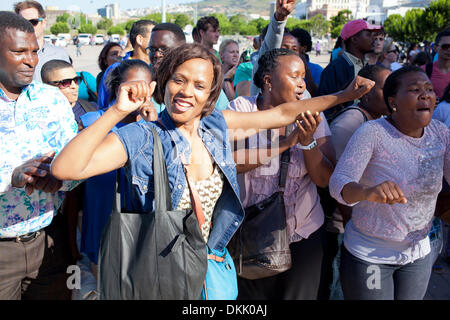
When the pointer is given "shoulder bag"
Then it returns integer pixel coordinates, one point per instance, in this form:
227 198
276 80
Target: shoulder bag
155 255
260 248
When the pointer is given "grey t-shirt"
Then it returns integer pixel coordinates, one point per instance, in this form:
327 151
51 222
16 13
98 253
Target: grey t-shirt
47 53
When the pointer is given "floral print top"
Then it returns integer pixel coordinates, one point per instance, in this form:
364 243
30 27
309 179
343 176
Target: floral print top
39 121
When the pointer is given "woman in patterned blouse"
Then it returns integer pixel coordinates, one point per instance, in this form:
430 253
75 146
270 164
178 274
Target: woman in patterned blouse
391 173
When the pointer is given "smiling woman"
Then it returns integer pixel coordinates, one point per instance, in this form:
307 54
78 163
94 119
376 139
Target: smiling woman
189 82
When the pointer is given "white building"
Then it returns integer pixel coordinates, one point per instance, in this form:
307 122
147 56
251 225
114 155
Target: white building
110 11
330 8
379 10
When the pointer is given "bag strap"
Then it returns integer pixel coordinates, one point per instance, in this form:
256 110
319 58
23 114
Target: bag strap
350 108
92 95
284 162
87 105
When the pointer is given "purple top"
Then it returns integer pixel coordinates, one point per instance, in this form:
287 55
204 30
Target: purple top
304 214
378 152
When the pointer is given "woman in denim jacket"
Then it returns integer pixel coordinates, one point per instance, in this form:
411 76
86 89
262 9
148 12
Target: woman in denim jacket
189 80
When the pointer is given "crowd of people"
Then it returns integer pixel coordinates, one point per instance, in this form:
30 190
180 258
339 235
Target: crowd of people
367 138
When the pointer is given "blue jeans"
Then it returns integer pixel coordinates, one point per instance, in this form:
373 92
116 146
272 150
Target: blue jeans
362 280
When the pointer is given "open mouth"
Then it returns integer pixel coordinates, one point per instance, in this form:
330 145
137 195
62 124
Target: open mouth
182 105
298 95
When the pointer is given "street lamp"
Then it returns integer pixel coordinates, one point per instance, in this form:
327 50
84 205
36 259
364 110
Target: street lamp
163 11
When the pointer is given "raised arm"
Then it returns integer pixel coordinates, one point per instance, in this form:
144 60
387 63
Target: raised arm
287 113
93 151
275 33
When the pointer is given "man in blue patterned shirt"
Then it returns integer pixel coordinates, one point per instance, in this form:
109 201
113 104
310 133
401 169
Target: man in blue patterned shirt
36 121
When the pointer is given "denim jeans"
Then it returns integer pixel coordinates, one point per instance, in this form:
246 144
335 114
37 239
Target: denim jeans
362 280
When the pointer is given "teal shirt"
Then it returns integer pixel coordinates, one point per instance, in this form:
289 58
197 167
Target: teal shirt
243 73
91 82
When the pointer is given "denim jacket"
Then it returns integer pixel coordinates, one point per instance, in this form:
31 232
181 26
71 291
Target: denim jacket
137 140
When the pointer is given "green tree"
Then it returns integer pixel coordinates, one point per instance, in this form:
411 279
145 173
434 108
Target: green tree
292 23
87 28
336 31
413 27
105 24
63 18
59 27
248 30
182 20
116 30
127 26
319 26
341 18
393 25
238 23
338 21
436 18
225 25
259 23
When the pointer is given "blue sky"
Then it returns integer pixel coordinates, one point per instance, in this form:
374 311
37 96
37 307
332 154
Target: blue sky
91 6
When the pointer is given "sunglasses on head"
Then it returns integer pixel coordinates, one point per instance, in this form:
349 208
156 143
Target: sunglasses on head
393 51
445 46
34 22
65 83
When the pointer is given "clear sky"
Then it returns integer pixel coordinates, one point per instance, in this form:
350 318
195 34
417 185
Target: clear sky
91 6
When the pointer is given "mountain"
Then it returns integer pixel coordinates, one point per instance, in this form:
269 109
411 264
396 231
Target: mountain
231 7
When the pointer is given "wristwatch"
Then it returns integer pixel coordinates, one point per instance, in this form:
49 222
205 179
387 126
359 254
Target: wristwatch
228 79
309 146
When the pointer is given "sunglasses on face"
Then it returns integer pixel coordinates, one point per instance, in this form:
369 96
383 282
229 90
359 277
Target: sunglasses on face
65 83
161 50
35 22
445 46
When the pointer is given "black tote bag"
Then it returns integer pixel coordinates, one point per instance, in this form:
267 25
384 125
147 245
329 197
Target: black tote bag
155 255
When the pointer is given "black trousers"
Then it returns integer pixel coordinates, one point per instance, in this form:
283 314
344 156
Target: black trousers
301 282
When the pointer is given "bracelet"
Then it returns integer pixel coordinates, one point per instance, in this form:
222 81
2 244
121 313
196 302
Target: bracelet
309 146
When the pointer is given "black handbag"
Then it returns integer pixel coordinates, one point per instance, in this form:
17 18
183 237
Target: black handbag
155 255
260 248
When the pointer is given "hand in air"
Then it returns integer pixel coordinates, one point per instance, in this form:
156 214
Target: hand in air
283 9
359 87
133 95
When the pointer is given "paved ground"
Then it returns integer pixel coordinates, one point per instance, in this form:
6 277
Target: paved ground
87 61
439 286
